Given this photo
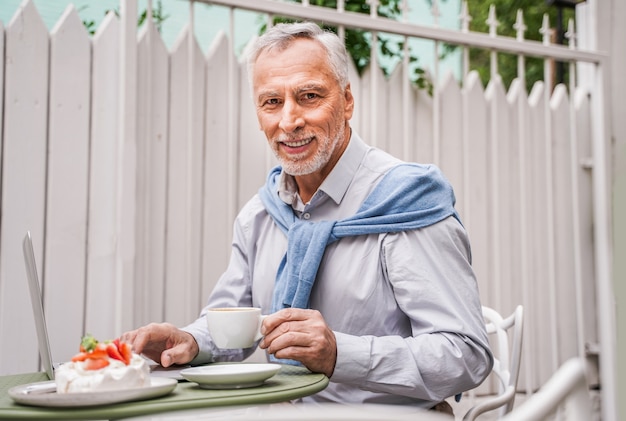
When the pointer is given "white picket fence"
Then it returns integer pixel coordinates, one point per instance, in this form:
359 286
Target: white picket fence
128 162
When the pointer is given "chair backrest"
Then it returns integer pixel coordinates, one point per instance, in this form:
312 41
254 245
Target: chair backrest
567 387
507 360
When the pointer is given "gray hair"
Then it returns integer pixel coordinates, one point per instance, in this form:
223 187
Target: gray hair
282 35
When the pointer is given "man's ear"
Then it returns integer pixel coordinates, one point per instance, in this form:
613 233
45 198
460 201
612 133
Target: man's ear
349 101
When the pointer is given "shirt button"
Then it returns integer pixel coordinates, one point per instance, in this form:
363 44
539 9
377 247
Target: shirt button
306 215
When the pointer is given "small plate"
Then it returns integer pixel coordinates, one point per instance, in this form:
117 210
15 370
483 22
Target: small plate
23 394
230 376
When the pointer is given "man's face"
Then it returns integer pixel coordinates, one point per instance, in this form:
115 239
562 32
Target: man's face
301 108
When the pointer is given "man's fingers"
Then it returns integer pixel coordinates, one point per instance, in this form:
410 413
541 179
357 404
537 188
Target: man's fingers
302 335
166 359
286 315
132 338
282 340
163 343
179 354
138 339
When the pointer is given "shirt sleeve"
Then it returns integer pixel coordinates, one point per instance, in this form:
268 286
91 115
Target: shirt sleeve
231 290
435 287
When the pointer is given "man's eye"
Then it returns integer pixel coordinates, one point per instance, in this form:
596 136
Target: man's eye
272 101
310 95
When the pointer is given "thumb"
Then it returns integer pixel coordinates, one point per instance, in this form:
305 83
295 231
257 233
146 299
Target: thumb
166 359
174 355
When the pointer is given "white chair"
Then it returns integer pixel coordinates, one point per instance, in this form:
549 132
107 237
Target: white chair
567 387
507 361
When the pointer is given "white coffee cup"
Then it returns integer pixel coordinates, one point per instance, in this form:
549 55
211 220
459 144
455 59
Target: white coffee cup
234 327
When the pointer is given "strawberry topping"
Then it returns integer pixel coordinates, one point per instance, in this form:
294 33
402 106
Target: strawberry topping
96 354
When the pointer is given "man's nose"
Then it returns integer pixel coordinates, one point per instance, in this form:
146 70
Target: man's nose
291 117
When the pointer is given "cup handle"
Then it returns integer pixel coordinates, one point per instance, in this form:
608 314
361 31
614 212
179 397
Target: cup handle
258 330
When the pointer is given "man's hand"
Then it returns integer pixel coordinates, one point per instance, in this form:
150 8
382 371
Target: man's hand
301 335
163 343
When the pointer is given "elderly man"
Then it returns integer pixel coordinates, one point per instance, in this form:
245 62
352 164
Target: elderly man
359 259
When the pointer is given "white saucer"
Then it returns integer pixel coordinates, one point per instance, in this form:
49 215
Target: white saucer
230 376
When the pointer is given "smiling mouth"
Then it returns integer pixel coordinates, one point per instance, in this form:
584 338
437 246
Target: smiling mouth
297 143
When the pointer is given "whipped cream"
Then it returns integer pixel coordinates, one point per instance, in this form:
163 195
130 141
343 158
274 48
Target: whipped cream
73 378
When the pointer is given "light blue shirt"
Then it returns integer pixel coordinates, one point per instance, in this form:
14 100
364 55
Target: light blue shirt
404 307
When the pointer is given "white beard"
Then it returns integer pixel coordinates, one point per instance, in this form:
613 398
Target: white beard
298 167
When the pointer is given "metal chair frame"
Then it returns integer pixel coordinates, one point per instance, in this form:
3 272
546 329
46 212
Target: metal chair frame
567 388
506 363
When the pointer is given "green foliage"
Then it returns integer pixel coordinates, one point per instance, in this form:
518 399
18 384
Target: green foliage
90 25
506 14
158 16
358 42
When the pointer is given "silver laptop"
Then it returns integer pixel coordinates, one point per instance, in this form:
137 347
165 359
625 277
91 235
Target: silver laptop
37 304
42 329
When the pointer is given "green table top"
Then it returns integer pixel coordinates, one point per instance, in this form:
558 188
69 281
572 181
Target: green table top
289 383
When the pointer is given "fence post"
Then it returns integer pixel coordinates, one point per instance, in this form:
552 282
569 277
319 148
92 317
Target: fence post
126 170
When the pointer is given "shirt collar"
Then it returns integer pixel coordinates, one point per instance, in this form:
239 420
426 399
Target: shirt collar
337 182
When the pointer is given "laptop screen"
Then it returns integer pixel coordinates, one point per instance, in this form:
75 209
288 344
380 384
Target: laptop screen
37 304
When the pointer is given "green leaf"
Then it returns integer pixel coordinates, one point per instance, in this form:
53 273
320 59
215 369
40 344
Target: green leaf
88 342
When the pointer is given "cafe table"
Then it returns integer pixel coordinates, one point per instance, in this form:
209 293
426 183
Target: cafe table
301 412
289 383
